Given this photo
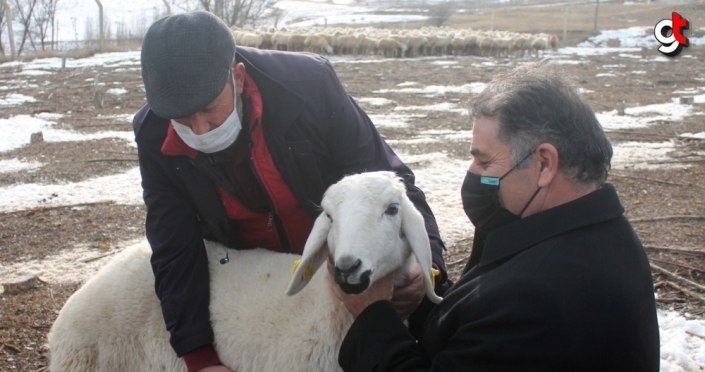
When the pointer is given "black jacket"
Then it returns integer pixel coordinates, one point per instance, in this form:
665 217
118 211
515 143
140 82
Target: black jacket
566 289
316 134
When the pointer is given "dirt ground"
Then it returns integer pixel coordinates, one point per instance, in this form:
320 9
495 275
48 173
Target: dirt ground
666 206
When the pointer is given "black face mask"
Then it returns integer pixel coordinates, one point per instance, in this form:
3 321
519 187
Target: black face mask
480 195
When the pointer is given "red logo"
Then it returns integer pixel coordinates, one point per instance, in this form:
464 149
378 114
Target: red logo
669 32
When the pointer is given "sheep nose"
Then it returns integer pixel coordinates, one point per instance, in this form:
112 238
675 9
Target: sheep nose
346 265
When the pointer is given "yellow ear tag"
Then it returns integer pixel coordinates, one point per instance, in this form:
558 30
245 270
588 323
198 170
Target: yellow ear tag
308 273
435 273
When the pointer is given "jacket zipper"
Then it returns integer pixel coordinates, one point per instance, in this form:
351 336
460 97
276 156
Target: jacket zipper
272 216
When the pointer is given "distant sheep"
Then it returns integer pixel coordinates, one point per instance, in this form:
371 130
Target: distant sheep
539 44
114 322
295 43
390 48
251 40
317 44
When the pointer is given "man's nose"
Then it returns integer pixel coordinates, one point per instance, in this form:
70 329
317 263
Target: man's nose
200 124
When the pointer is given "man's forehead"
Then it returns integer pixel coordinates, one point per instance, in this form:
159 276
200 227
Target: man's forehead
485 140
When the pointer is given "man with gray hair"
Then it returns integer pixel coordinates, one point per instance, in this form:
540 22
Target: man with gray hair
557 279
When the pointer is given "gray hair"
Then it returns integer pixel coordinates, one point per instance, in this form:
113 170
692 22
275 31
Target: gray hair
536 104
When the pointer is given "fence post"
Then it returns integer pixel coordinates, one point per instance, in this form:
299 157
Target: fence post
8 16
565 25
100 24
597 7
168 7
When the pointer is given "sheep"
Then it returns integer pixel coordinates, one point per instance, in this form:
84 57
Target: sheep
485 45
390 48
251 40
348 44
114 322
317 44
539 44
416 45
368 45
295 43
279 41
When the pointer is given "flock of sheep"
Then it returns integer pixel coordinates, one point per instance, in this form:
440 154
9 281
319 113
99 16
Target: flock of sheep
398 42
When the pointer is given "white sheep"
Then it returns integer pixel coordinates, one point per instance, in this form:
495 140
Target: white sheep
114 322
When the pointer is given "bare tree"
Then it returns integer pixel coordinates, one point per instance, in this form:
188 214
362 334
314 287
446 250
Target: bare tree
25 10
2 26
440 13
44 21
236 12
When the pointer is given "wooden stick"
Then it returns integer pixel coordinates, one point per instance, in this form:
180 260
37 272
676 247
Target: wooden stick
686 291
665 218
13 348
91 259
695 334
675 249
42 209
677 277
675 264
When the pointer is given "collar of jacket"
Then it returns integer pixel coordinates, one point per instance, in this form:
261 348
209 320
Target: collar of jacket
281 105
252 100
598 206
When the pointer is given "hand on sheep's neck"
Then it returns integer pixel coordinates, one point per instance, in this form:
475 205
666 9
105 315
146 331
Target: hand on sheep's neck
380 290
409 292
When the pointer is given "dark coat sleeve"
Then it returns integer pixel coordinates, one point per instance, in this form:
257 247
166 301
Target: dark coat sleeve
179 259
357 147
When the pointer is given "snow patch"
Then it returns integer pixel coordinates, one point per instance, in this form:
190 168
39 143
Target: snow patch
16 165
14 99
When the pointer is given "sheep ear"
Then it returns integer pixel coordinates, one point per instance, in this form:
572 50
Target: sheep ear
315 253
412 225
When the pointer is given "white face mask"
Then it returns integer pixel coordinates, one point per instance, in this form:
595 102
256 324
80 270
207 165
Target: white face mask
215 140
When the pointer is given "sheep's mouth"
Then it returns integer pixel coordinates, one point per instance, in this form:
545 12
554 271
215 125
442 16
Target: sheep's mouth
357 288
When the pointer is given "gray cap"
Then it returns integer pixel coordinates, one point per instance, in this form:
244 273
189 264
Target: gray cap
186 62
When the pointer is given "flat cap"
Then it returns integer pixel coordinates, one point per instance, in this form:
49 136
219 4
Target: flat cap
186 61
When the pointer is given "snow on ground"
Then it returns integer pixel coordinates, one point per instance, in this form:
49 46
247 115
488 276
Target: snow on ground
66 266
393 120
438 90
122 188
18 129
643 116
643 155
682 342
14 99
16 165
44 66
375 101
444 106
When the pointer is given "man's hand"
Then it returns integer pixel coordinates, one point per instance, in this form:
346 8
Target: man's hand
377 291
409 293
216 369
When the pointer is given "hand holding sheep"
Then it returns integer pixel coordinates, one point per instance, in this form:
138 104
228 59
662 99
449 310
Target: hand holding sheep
381 290
405 297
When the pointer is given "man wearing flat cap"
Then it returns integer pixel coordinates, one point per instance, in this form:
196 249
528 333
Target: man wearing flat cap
237 145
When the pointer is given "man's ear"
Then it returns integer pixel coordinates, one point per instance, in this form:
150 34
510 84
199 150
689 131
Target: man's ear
547 156
239 74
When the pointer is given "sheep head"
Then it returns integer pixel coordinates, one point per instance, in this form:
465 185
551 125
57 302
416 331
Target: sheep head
371 229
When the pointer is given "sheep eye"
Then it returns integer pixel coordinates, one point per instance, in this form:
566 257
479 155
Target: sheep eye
392 210
329 217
